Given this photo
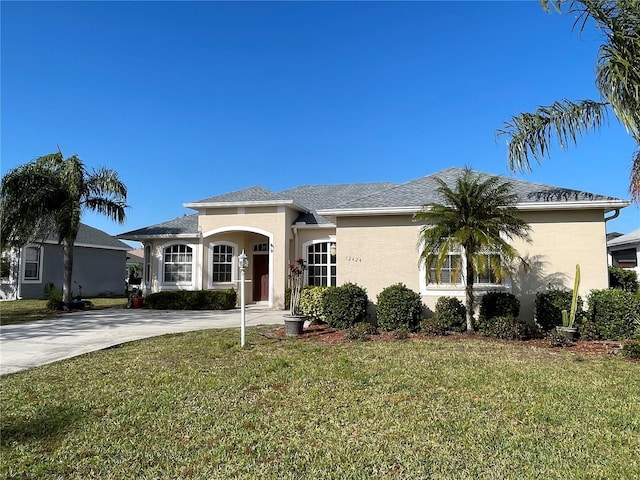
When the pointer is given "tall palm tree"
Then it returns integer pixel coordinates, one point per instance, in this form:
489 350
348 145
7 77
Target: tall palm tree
617 79
477 215
47 197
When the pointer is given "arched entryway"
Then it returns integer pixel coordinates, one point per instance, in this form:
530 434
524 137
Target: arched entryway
224 245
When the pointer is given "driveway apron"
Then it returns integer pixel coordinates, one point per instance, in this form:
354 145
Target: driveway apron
27 345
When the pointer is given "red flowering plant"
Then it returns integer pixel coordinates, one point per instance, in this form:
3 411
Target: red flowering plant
296 279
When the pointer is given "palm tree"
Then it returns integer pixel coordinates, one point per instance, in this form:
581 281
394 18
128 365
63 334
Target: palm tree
478 217
47 197
617 79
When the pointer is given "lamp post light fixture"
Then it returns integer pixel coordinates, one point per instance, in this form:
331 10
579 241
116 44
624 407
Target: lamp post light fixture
243 263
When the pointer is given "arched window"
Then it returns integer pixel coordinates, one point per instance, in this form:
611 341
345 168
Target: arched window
178 263
321 264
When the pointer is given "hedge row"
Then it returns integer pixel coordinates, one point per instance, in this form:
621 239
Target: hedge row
192 300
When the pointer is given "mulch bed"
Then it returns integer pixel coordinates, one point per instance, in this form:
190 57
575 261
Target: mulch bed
330 336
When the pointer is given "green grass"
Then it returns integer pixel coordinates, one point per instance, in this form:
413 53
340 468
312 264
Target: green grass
197 406
19 311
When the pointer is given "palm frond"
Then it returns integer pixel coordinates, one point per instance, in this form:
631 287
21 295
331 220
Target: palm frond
530 135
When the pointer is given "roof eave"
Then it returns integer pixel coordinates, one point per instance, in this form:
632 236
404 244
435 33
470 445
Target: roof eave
606 205
255 203
158 235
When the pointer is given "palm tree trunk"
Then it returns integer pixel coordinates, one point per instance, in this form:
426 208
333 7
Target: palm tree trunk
468 291
67 247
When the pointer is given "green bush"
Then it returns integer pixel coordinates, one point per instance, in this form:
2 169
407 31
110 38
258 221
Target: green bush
623 279
631 349
311 302
360 332
549 306
588 330
399 307
498 304
509 328
450 314
344 306
432 326
616 313
192 300
53 297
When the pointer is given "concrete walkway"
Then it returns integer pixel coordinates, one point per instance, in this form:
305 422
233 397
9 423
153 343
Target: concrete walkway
31 344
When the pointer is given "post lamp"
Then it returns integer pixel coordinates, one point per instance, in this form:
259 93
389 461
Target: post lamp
243 262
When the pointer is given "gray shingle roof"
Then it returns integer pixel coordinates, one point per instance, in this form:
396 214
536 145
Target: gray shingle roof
187 224
251 194
93 237
423 190
356 196
317 197
629 238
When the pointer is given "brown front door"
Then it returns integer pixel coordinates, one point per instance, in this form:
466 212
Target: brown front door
260 278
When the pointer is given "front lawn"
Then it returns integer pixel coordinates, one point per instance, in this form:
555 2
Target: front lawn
19 311
197 406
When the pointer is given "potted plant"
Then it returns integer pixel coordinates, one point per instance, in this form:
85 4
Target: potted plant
569 318
294 320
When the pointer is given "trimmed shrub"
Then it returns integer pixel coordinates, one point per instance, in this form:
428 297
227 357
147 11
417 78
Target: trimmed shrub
360 332
631 349
344 306
509 328
192 300
401 334
549 306
54 297
498 304
432 326
450 314
399 307
616 313
588 330
311 302
623 279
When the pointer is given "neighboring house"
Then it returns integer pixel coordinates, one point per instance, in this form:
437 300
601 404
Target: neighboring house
364 233
98 266
624 251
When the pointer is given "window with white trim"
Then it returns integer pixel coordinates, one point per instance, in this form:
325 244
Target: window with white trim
450 274
32 264
321 265
178 263
450 271
147 264
222 255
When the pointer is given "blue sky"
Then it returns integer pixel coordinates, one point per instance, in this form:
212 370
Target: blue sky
189 100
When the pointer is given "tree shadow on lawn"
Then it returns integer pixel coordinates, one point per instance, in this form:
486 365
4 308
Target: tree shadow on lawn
47 422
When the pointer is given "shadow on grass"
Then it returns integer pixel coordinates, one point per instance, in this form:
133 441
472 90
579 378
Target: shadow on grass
48 422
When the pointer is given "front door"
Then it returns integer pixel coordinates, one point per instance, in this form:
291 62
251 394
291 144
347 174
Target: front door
260 278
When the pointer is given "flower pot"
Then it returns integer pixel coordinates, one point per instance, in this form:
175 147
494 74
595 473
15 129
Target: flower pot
294 324
137 302
570 333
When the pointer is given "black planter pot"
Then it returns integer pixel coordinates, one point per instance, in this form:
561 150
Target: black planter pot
294 324
570 333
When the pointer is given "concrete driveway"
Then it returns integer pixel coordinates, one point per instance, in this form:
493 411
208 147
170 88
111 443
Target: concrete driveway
31 344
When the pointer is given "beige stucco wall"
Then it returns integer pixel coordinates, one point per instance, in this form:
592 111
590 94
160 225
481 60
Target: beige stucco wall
560 240
376 252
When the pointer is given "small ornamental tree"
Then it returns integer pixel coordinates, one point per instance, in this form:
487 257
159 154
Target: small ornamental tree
296 279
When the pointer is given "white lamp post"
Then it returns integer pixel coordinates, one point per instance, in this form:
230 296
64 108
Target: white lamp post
243 262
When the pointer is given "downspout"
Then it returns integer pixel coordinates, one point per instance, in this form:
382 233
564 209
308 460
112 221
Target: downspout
615 215
295 243
606 248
